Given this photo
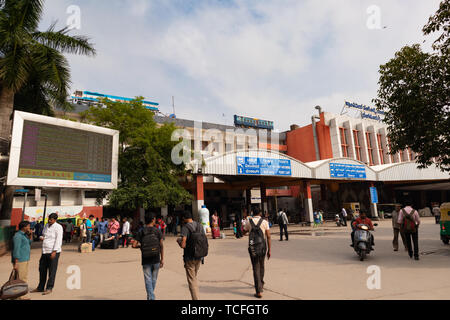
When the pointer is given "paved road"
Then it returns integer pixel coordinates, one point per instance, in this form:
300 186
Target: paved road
311 265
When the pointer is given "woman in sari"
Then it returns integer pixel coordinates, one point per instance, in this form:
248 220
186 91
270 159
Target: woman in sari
215 226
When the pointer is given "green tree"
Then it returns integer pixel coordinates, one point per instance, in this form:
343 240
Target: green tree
147 176
33 69
414 91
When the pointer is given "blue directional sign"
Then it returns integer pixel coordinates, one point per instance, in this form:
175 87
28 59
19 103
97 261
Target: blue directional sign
22 190
349 171
263 166
374 195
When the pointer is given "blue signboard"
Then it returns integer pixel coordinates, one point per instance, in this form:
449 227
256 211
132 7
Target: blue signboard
263 166
374 195
350 171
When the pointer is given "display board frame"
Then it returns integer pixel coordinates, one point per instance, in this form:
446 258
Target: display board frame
13 178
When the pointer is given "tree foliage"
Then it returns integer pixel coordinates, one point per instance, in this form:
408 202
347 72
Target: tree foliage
414 91
147 176
32 63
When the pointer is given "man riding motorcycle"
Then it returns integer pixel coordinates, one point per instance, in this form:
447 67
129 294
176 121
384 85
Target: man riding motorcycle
362 219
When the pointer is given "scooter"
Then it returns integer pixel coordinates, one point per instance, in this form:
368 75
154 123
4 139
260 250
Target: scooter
339 221
362 241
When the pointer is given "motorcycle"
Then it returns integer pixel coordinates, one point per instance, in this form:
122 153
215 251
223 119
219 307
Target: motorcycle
362 241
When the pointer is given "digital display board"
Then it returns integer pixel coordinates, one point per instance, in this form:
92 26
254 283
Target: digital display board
53 152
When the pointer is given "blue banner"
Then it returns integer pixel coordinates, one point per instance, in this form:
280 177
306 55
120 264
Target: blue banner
374 195
350 171
263 166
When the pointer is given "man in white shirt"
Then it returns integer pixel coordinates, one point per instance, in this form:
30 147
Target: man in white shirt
344 216
52 238
125 232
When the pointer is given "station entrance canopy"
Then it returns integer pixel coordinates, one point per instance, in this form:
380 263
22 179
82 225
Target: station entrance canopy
243 169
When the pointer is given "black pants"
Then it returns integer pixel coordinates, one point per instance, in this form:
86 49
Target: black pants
283 227
47 265
415 240
258 272
345 220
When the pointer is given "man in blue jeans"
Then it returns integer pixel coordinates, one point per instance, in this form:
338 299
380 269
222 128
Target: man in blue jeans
150 241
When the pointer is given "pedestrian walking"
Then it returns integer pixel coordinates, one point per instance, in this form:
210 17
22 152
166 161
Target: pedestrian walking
20 256
51 250
283 224
103 229
69 231
113 228
125 232
150 241
259 233
437 213
83 231
215 225
89 228
195 244
397 229
344 216
410 221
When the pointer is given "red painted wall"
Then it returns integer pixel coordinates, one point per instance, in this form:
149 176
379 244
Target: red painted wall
300 142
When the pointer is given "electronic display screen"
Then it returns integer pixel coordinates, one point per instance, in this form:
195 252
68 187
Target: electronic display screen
62 153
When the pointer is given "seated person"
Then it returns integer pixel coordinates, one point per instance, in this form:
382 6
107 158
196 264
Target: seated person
362 219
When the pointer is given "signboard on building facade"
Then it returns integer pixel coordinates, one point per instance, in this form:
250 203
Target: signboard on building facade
50 152
263 166
348 171
366 112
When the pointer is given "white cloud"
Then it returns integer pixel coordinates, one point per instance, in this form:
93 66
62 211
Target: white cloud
268 59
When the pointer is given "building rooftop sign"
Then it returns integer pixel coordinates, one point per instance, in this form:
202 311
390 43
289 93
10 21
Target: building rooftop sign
366 112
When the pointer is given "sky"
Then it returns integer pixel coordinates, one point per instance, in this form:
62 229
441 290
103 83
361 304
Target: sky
273 60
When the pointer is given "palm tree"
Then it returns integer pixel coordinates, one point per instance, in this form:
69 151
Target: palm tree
32 67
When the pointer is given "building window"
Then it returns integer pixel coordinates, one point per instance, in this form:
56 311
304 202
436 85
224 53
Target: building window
344 143
390 149
369 149
357 145
410 154
380 149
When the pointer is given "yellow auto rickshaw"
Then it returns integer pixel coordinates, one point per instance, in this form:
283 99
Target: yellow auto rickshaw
445 222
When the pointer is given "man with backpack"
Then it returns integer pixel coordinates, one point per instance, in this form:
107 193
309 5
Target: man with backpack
283 223
259 233
195 244
409 220
150 241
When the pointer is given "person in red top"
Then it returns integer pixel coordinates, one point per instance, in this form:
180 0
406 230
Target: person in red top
362 219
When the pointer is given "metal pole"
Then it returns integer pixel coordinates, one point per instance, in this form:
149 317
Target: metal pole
24 205
45 209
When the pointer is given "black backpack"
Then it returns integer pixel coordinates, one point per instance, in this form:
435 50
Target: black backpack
256 241
150 243
197 244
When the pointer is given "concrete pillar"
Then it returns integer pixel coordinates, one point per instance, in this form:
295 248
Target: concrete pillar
264 206
248 198
373 206
199 198
308 201
165 211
